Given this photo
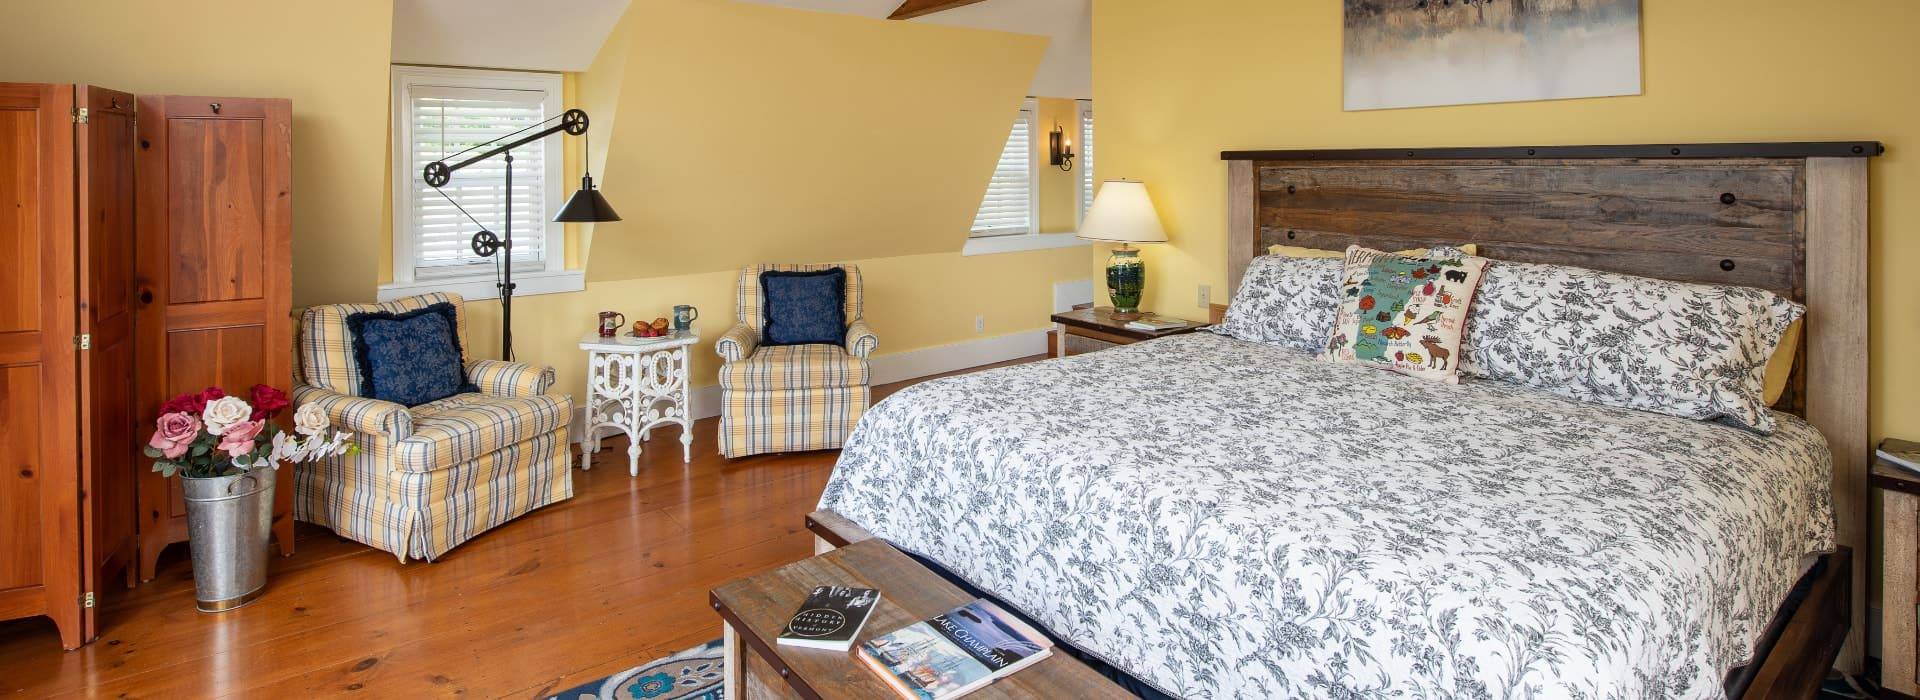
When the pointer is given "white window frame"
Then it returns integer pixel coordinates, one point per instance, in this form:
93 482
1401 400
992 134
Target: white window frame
1083 200
1030 109
1033 239
544 277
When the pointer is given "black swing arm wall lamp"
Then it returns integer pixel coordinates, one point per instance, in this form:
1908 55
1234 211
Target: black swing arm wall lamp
585 206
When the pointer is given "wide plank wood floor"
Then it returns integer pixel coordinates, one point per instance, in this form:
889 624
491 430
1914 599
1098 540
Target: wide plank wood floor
612 578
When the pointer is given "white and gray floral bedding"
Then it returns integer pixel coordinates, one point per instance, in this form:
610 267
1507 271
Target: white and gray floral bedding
1222 518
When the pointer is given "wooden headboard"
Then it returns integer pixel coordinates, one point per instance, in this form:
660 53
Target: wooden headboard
1788 217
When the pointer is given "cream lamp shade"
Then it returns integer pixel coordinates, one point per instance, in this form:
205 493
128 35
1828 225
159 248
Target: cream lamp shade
1123 213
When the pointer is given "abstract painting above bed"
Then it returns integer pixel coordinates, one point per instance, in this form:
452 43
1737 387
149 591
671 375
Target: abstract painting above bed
1420 53
1268 525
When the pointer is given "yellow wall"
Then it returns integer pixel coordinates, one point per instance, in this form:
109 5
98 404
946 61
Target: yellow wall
748 133
330 58
1179 82
729 134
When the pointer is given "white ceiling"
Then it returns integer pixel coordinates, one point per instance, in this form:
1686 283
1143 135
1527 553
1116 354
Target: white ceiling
518 34
1065 71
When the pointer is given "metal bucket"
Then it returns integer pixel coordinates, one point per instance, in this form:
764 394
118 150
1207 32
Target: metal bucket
229 526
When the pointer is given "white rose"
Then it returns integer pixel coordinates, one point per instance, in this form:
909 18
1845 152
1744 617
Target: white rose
225 411
310 420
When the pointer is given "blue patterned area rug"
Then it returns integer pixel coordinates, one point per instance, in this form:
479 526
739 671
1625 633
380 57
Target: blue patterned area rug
694 674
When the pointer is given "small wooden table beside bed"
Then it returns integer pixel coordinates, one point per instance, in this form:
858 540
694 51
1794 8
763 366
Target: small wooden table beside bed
1214 516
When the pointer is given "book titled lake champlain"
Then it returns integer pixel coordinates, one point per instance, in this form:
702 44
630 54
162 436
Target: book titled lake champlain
954 653
830 618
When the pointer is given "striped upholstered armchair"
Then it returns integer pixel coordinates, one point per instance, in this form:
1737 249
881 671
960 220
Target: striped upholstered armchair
789 398
430 477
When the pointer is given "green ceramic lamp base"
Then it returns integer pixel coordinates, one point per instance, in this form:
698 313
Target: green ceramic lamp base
1126 279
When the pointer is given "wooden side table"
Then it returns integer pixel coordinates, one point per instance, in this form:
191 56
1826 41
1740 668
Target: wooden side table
1899 589
635 385
756 608
1087 330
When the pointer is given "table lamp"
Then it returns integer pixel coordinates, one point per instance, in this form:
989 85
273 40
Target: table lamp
1123 213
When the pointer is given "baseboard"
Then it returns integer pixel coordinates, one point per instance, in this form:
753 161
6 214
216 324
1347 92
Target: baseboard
887 369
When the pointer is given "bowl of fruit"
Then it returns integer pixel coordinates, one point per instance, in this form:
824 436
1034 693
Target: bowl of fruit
656 329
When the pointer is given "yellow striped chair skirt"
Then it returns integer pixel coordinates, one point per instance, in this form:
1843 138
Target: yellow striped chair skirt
422 515
758 422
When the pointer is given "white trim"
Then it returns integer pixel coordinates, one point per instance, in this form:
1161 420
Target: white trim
988 245
1081 202
473 288
403 80
704 402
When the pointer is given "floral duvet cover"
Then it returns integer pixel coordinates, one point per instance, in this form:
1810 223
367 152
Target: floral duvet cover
1222 518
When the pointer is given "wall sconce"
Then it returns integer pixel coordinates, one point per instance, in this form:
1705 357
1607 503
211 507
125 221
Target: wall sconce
1059 149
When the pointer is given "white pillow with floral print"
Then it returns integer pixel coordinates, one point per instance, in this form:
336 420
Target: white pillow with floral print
1285 301
1404 313
1689 350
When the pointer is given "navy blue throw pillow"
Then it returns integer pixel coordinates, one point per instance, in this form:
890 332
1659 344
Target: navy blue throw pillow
804 308
409 358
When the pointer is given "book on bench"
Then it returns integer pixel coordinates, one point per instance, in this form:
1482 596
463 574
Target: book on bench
830 618
955 653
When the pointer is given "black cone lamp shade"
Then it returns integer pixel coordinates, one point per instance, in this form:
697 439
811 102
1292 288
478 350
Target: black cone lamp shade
586 206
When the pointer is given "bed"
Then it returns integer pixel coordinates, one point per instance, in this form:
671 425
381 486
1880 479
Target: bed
1219 518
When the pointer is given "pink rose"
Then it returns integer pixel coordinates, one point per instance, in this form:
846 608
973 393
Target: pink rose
174 433
238 440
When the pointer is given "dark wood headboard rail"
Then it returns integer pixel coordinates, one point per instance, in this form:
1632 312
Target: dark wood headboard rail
1800 149
1788 217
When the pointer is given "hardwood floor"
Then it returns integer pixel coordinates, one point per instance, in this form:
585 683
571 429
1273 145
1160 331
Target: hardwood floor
615 577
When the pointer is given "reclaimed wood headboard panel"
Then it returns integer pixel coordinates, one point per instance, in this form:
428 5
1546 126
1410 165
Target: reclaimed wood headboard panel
1788 217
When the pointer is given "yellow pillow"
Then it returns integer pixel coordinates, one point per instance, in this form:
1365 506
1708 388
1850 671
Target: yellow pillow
1293 251
1780 366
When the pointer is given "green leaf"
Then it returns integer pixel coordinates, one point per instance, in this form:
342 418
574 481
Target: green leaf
200 448
152 452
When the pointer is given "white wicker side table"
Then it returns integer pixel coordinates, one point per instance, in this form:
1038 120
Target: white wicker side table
635 385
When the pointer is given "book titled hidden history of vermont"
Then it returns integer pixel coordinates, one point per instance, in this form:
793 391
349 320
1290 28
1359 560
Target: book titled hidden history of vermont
830 618
955 653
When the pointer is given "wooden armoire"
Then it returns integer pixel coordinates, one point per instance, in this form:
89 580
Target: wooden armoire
66 350
144 251
214 277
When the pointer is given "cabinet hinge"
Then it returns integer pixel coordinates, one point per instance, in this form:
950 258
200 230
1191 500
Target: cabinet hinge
84 340
79 115
87 600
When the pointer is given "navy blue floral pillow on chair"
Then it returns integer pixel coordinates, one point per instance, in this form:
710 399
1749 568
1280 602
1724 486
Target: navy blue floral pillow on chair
804 308
409 358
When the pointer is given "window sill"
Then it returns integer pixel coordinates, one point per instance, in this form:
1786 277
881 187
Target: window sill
1015 244
482 287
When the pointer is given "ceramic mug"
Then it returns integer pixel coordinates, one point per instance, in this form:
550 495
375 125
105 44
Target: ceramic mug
683 317
610 323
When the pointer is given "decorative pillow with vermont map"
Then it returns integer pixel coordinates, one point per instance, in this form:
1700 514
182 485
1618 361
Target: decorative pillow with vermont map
1404 313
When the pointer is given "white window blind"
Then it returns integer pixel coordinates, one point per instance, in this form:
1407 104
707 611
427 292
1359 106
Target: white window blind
1008 207
444 121
1086 157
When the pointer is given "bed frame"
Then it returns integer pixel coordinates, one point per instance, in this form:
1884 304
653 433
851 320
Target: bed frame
1788 217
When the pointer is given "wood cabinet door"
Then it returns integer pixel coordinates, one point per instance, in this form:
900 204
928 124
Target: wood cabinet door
40 500
213 281
109 441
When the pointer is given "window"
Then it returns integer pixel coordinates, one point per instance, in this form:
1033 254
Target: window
439 112
1085 159
1011 205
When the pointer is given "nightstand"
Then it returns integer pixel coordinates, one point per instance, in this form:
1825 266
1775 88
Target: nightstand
1087 330
1899 591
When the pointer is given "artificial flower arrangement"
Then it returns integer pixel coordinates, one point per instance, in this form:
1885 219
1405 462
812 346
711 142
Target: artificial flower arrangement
209 434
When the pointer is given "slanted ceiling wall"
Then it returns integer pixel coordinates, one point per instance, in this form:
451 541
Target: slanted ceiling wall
330 58
747 133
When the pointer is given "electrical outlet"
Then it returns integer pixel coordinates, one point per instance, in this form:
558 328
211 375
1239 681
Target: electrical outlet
979 324
1206 296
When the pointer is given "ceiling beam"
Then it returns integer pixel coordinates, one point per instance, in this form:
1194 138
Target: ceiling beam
916 8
